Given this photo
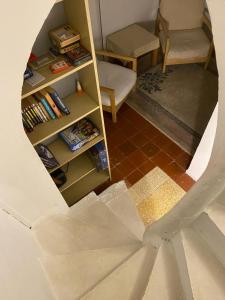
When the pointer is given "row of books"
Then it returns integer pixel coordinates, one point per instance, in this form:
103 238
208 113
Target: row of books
42 107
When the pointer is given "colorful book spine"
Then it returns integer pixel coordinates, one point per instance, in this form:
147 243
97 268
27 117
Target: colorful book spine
52 104
47 116
48 108
58 101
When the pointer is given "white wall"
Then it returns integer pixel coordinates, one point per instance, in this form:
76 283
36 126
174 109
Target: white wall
26 189
118 14
204 151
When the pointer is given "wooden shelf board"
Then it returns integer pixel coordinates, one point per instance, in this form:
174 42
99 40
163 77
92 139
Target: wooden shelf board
50 78
87 184
63 154
78 169
79 106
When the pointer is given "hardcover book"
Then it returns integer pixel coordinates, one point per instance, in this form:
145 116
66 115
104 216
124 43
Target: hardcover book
64 36
79 134
78 56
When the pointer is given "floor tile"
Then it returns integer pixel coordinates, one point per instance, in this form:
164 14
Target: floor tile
184 160
137 158
150 131
116 156
185 182
146 167
134 177
161 159
126 167
173 170
161 140
127 148
172 149
116 175
150 149
139 140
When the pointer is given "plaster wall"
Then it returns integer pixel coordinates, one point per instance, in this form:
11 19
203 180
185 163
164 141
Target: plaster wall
118 14
26 189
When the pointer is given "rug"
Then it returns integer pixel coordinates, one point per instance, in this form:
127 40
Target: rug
179 102
155 195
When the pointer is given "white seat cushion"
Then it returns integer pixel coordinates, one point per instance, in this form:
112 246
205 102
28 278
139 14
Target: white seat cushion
186 44
121 79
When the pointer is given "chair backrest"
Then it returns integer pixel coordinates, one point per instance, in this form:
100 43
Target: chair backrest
182 14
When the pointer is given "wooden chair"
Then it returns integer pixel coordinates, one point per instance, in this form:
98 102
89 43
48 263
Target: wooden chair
116 82
180 29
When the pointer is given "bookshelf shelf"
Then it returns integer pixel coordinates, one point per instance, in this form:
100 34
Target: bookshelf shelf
78 169
64 155
50 78
83 187
79 106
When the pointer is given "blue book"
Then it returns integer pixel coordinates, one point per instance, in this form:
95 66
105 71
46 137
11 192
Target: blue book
58 101
79 134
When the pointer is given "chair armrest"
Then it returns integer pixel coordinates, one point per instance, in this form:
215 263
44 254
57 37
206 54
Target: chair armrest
164 24
110 92
133 60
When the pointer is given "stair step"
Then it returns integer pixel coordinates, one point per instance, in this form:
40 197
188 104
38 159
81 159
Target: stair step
164 282
207 274
85 203
95 227
128 281
211 227
71 276
119 201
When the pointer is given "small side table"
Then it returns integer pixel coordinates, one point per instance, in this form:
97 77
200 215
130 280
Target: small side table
134 41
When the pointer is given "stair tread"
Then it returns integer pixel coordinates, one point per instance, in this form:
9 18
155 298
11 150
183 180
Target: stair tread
128 281
164 282
71 276
119 201
207 275
95 227
217 213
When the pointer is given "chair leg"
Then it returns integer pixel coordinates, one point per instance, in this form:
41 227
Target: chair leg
114 116
164 67
154 57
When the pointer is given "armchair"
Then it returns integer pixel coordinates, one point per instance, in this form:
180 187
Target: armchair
180 29
116 82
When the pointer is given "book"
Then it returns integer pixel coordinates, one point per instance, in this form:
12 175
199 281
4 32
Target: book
58 51
47 107
52 104
59 66
78 56
79 134
35 79
63 36
58 101
28 73
46 114
99 156
41 61
46 156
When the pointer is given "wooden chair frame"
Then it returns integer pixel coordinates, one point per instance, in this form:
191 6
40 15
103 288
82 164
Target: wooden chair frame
164 25
113 109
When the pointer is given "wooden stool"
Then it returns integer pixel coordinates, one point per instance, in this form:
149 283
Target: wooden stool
134 41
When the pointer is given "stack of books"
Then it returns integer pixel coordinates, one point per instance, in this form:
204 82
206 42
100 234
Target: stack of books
79 134
64 39
42 107
78 56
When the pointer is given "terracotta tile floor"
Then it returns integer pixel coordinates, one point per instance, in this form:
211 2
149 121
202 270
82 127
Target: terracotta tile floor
136 147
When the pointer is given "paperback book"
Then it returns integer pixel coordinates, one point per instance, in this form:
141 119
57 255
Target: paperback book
79 134
78 56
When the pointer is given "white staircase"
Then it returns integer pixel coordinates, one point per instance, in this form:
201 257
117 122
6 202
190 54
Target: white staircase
96 251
